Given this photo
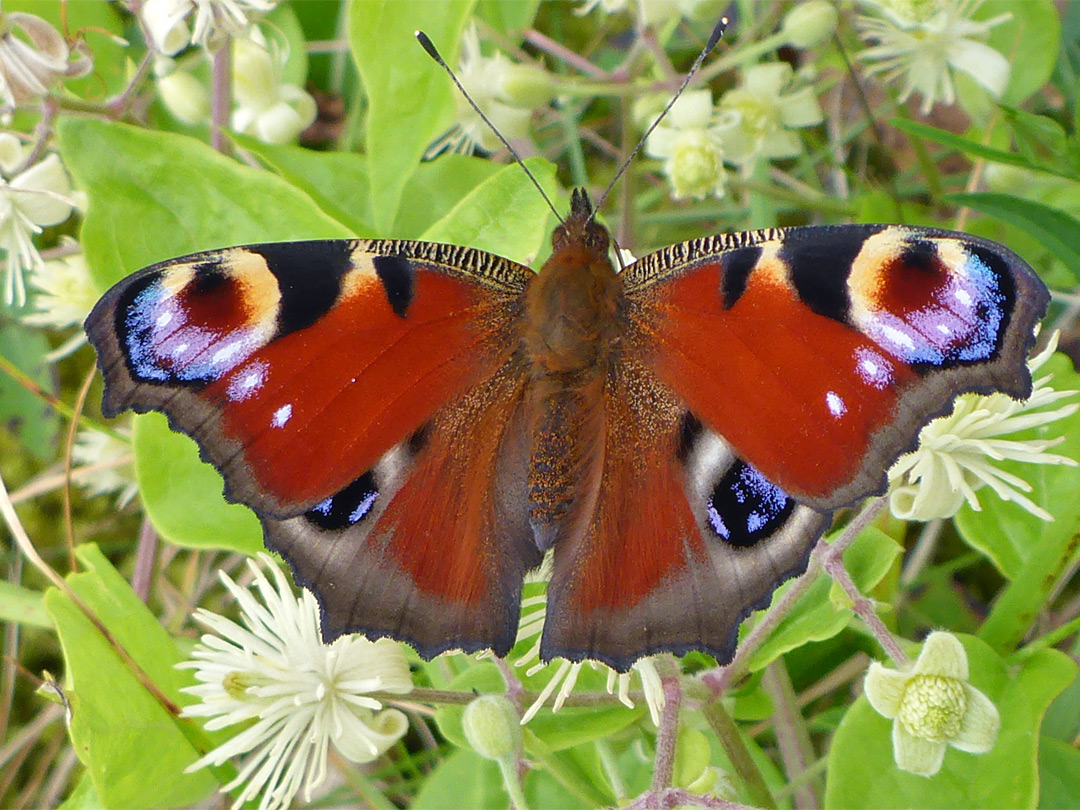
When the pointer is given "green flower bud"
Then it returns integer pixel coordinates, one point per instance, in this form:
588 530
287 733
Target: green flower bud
185 97
810 23
492 727
525 86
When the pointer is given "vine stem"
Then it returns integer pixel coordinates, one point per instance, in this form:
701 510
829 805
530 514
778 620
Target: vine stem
864 608
668 729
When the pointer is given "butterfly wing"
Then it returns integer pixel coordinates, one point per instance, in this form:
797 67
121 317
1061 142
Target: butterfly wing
819 353
765 380
308 371
685 539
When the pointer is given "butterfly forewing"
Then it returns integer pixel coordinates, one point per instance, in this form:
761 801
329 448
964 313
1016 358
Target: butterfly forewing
296 366
819 353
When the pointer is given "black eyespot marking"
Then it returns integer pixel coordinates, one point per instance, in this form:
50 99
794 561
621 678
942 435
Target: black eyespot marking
348 507
1004 285
309 276
745 507
209 278
920 255
689 429
419 439
398 279
737 266
820 266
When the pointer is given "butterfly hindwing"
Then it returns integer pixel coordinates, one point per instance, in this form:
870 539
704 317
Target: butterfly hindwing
684 541
432 544
819 353
296 366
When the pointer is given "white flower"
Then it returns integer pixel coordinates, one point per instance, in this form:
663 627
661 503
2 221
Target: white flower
957 453
922 42
64 296
266 106
28 67
31 200
166 21
933 706
183 95
291 695
691 140
768 110
506 92
564 678
94 448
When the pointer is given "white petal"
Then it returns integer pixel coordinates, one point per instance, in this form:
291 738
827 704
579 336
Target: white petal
942 654
980 725
884 688
692 110
914 754
984 64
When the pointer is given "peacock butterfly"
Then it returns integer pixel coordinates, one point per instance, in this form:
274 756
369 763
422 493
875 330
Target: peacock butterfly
415 424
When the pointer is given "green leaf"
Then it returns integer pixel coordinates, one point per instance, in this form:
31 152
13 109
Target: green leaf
154 196
1053 228
507 16
22 606
1059 774
409 97
133 748
976 149
435 188
815 617
182 495
504 215
83 797
22 412
862 772
335 181
1030 40
465 779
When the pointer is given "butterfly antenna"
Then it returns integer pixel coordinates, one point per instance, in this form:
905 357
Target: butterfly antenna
717 32
429 46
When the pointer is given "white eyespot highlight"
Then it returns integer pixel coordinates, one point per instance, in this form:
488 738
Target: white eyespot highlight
281 416
247 381
836 405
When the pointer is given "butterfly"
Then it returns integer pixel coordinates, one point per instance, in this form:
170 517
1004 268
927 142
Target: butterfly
417 424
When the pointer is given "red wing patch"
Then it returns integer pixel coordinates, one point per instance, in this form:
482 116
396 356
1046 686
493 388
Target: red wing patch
432 544
297 366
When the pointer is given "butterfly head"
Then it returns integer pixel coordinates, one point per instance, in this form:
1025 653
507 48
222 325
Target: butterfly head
580 228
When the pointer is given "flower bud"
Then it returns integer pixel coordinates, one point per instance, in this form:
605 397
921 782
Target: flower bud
492 727
525 86
810 23
185 97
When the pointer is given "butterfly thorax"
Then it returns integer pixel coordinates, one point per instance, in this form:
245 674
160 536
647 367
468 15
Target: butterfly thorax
571 333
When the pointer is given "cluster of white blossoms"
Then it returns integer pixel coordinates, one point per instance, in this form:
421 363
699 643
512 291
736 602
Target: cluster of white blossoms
265 105
33 57
32 197
175 24
291 696
958 454
921 42
506 92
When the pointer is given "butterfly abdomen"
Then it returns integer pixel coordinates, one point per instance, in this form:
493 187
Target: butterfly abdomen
570 335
